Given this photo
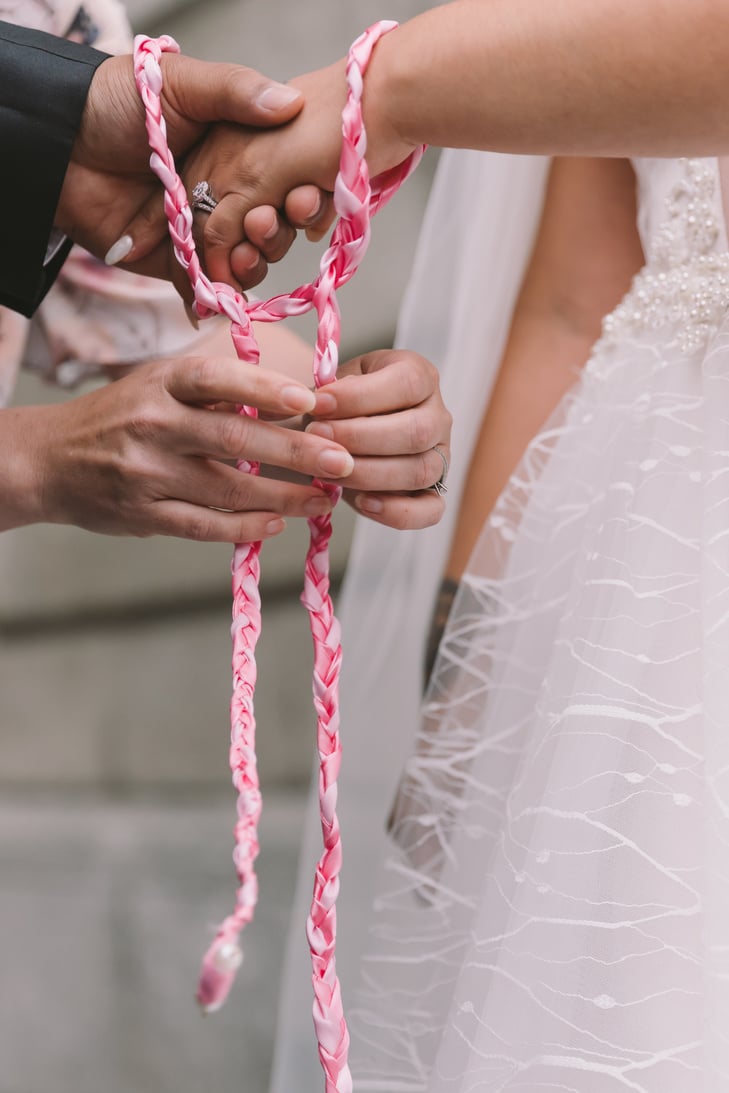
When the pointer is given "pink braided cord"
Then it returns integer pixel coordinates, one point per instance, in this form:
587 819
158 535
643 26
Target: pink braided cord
355 201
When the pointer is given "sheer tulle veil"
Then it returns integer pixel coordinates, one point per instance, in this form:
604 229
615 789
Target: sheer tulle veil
476 239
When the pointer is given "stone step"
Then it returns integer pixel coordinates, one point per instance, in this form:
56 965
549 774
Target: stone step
122 703
105 910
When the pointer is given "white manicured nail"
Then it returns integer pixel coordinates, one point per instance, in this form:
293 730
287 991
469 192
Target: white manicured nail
119 250
277 96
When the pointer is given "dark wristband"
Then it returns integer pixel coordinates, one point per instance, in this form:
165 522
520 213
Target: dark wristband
441 613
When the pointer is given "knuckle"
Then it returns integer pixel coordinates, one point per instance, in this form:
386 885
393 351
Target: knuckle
416 383
298 452
424 472
421 432
203 375
150 381
352 435
145 426
289 504
233 432
248 529
201 527
431 372
236 79
239 493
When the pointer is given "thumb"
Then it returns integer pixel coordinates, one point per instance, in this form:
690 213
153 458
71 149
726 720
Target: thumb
203 91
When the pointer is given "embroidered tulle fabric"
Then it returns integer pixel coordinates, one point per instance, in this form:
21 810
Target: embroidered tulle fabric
555 915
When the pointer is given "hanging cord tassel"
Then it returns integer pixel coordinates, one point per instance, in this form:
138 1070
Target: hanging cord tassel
355 202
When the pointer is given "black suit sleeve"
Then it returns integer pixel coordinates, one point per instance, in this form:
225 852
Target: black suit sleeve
44 82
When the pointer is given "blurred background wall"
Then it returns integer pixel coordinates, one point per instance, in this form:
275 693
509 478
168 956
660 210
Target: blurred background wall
115 804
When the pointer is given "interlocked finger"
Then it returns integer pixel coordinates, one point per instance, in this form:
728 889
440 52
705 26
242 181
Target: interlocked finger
204 525
217 235
410 432
396 474
268 232
217 485
397 510
222 435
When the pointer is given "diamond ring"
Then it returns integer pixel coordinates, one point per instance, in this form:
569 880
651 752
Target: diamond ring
202 198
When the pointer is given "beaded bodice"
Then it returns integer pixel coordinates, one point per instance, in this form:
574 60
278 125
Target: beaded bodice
685 281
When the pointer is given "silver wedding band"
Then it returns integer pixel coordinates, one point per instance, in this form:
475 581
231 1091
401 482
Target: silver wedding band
202 198
440 486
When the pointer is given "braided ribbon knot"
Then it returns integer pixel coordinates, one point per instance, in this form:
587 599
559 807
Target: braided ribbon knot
356 199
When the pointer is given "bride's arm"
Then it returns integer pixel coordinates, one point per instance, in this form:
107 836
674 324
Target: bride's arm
603 77
564 77
586 252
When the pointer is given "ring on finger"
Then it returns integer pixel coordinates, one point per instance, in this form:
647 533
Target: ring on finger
440 486
202 198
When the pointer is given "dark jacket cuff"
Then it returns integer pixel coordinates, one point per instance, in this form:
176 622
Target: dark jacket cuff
44 82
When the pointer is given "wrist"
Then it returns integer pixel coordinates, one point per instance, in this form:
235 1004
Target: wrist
112 108
385 85
21 482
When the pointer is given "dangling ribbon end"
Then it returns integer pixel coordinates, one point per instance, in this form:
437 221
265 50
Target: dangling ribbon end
219 967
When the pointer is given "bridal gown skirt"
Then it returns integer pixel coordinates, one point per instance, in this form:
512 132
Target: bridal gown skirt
552 911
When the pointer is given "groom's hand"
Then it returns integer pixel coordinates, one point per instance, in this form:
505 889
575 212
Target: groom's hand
109 183
247 168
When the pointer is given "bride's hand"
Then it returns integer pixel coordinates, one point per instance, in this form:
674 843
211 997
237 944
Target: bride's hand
113 205
386 409
244 171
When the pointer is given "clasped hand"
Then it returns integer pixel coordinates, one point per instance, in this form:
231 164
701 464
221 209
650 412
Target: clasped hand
151 454
157 463
110 193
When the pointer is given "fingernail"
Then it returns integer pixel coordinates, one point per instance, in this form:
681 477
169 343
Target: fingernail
319 428
318 506
336 462
251 257
277 96
275 527
365 503
315 210
272 230
325 403
299 399
119 250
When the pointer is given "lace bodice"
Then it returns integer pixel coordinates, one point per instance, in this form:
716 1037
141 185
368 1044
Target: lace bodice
685 281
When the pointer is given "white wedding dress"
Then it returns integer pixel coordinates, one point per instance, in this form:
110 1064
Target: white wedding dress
552 910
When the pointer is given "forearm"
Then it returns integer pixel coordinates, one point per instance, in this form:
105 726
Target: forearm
20 492
586 252
608 77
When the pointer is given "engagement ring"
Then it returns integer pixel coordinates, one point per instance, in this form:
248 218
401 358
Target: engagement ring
202 198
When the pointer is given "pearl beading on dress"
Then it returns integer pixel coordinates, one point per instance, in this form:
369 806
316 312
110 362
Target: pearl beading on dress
686 280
